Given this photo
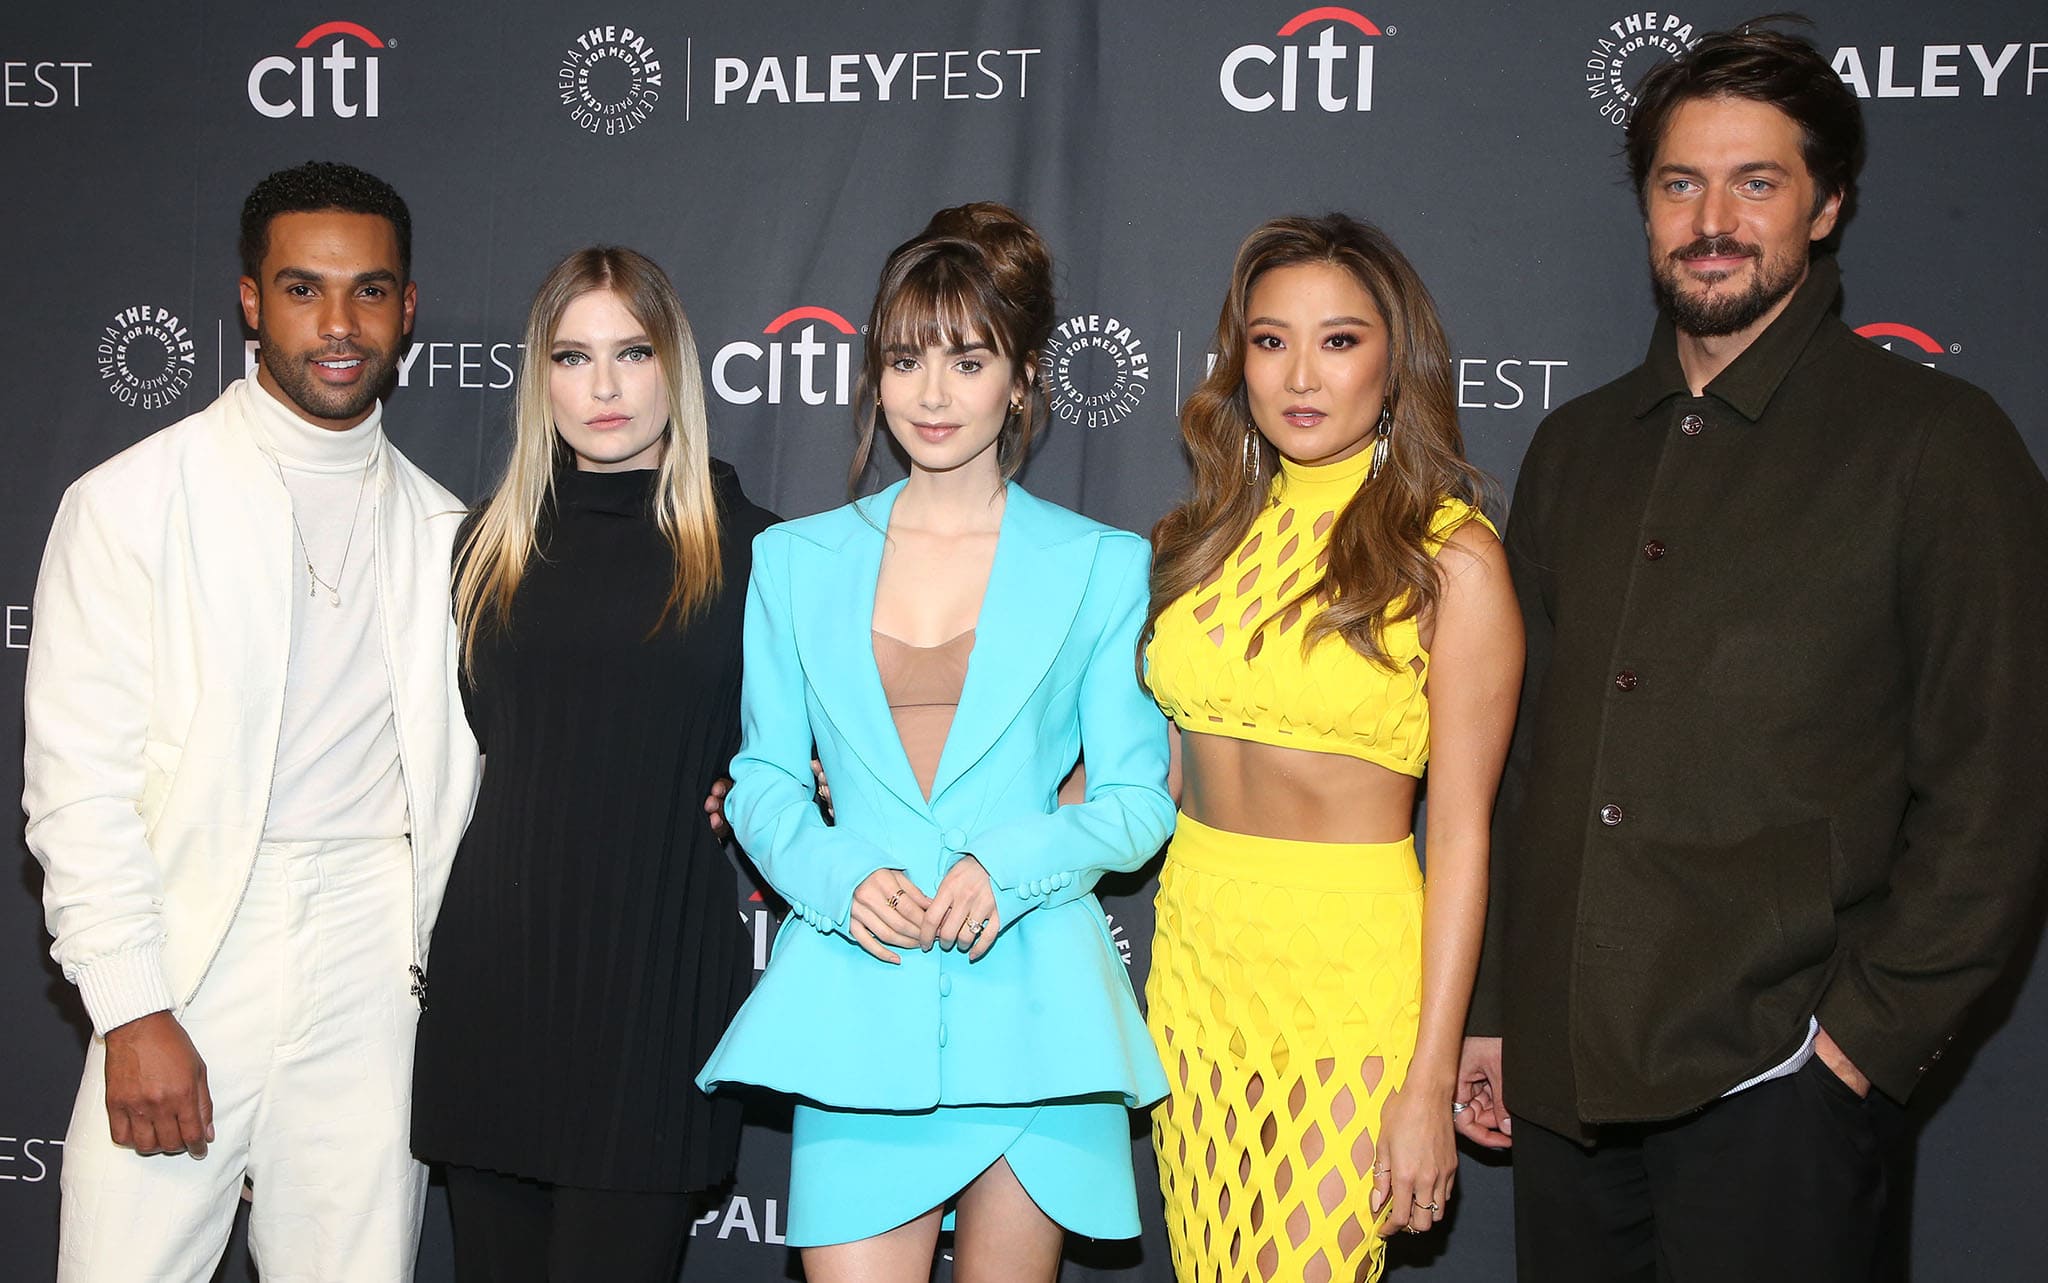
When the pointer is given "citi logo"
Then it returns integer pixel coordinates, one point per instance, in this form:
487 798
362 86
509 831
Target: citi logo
1343 71
1915 344
744 372
1942 71
281 86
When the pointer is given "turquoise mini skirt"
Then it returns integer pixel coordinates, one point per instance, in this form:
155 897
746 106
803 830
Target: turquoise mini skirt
858 1173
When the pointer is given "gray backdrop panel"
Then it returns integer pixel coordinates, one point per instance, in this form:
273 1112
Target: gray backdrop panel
770 153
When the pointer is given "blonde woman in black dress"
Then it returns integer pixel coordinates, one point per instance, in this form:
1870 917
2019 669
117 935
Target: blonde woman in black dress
588 954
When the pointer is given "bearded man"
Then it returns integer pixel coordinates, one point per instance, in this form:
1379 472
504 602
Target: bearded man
1772 816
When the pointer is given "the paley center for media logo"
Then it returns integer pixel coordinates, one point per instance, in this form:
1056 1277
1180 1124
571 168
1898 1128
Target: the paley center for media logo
610 80
334 72
1320 59
146 356
1096 370
1625 52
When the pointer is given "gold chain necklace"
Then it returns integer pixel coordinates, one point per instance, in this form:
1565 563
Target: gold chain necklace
317 583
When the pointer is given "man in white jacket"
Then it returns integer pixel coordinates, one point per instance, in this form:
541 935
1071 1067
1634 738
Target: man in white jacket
247 771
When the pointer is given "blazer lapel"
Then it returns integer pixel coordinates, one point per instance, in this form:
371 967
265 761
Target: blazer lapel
247 554
833 593
1034 592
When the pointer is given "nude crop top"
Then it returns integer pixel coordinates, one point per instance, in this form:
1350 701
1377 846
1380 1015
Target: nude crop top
1226 659
923 685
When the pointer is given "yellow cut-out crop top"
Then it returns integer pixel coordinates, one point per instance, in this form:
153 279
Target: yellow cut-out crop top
1226 659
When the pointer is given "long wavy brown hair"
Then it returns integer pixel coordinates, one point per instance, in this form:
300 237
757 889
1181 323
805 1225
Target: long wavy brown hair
1380 569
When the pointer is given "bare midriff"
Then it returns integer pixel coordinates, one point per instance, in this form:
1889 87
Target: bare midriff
1297 794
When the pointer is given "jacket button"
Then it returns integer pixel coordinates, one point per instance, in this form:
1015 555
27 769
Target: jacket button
942 1035
1625 680
1610 815
955 838
1653 550
1691 424
945 985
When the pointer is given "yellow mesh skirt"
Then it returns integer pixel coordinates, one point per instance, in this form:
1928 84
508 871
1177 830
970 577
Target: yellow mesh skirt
1285 991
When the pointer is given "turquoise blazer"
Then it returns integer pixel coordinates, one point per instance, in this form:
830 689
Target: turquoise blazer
1048 1012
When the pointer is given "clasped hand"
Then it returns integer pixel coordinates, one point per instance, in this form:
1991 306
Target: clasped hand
888 909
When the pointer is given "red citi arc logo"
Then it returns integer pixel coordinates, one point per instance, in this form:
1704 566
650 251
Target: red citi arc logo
281 86
744 372
1886 333
1343 72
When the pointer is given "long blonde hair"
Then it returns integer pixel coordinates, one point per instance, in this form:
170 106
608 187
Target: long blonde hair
503 537
1380 570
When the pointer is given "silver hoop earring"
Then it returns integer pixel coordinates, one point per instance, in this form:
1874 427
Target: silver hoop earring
1382 437
1251 460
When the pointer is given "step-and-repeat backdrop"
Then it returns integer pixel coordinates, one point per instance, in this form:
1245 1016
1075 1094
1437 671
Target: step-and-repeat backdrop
769 153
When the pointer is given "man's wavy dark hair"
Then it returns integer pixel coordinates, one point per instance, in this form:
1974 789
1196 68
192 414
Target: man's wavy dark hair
314 186
1761 65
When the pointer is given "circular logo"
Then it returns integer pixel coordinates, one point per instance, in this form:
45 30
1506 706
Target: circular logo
146 357
1096 371
1624 54
609 81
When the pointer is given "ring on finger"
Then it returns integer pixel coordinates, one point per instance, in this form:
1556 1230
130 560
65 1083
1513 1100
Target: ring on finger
894 896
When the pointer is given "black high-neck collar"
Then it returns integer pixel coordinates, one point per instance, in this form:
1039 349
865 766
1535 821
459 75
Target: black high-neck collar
621 494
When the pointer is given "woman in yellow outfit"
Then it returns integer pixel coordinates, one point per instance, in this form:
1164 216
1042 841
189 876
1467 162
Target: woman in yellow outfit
1330 611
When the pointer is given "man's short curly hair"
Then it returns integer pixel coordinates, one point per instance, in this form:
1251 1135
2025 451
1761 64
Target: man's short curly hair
320 185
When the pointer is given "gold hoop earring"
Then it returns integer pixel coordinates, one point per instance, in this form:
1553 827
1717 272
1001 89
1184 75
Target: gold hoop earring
1252 460
1382 438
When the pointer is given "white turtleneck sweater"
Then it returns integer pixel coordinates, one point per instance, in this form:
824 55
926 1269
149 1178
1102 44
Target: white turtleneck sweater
337 772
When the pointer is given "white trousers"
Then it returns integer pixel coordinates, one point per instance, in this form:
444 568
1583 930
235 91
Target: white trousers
305 1022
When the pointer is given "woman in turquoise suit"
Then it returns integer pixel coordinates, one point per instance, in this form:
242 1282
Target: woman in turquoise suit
945 1000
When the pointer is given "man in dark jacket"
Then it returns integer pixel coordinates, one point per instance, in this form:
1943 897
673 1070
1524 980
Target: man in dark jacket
1773 814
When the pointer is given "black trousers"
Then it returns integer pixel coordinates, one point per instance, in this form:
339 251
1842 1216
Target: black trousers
512 1230
1784 1181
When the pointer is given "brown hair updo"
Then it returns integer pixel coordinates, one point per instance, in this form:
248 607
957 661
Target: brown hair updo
976 272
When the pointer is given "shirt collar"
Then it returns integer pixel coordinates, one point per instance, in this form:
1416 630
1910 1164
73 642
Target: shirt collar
1753 378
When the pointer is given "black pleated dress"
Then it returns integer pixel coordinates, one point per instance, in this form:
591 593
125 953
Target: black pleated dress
590 952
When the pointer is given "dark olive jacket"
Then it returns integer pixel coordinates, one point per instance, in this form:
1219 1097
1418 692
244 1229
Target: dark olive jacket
1783 744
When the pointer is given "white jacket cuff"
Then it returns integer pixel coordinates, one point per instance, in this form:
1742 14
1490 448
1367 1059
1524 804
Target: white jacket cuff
123 986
